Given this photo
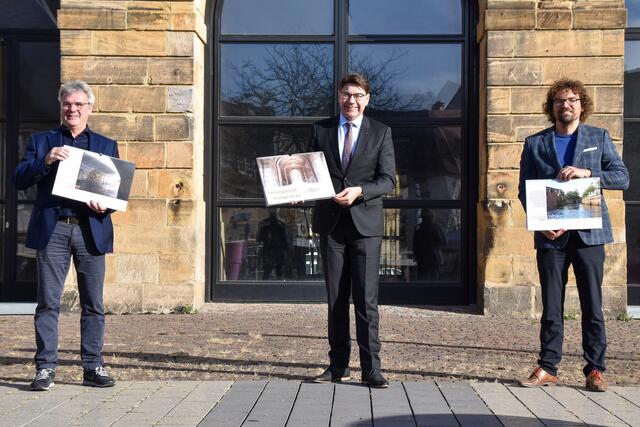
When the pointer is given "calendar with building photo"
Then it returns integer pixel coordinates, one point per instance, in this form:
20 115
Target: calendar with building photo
572 205
86 176
296 177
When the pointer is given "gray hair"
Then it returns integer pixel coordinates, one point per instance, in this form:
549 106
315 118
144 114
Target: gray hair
74 86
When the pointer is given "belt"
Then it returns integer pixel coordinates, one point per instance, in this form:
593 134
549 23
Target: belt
69 219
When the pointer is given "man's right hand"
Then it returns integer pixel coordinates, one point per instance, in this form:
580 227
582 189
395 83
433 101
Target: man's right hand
553 234
56 153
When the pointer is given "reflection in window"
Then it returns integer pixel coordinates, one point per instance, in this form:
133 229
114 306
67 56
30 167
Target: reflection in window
631 157
633 13
239 147
38 90
268 244
411 80
25 257
632 79
277 17
421 245
428 162
405 17
276 80
633 245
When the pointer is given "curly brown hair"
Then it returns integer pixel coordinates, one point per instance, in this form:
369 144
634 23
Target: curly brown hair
567 84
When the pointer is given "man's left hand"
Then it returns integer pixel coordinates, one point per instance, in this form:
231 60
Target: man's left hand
97 207
571 172
347 196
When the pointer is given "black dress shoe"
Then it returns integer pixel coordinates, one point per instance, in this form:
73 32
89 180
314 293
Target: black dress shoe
333 376
375 379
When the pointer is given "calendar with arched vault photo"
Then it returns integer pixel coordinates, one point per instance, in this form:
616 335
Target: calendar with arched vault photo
86 176
295 177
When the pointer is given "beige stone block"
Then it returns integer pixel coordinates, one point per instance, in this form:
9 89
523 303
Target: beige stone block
501 44
91 19
616 212
132 99
142 239
502 185
148 20
525 268
162 296
173 127
143 212
609 99
528 100
181 212
75 42
502 214
151 6
184 21
511 242
510 4
170 71
123 298
598 4
615 265
179 155
130 43
104 70
569 43
514 72
614 301
123 128
179 43
498 269
600 18
612 122
591 71
177 268
137 268
498 100
499 128
514 301
504 156
505 19
554 19
110 263
180 99
513 128
146 154
524 132
612 194
139 184
555 5
170 183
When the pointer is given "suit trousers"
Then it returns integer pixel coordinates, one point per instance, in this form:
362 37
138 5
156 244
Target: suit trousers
588 266
351 262
53 263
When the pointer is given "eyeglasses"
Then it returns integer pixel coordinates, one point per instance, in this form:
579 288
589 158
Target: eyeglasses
357 96
67 105
558 102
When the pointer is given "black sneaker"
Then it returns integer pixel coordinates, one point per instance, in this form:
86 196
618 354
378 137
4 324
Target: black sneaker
97 377
43 380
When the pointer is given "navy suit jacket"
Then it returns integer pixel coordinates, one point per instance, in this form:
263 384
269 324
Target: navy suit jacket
32 170
594 150
372 167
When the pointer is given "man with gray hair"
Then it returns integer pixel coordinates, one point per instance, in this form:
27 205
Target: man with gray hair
61 229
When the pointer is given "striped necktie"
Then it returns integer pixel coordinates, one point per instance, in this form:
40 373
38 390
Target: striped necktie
348 144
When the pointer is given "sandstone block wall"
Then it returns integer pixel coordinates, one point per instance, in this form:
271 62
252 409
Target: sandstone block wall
526 45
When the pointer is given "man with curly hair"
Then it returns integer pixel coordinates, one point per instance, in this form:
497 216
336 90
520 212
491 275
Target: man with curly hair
567 150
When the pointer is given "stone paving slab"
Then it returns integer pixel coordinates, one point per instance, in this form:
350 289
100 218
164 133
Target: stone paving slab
295 403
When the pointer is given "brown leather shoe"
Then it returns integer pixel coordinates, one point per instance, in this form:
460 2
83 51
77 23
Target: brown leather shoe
595 381
538 378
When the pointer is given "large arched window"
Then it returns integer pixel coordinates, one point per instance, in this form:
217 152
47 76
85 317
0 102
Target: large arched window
274 69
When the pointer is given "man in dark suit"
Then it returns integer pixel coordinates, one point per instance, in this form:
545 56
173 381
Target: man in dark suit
61 228
566 151
359 154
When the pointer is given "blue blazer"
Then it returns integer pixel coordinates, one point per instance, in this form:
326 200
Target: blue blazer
594 150
32 170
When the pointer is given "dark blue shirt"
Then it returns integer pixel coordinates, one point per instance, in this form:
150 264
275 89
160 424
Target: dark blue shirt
72 207
565 146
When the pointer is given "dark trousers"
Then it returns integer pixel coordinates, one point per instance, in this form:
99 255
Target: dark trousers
351 262
53 265
588 266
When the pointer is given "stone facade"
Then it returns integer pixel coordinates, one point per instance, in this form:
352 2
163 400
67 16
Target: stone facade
146 61
525 45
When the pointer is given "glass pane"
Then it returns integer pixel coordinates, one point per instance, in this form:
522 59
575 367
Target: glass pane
2 83
633 13
428 162
239 147
631 157
405 17
268 244
632 79
2 259
633 245
39 80
411 80
3 156
276 80
25 257
277 17
421 245
25 130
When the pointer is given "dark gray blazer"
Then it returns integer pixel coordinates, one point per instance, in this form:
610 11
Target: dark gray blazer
594 150
372 167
